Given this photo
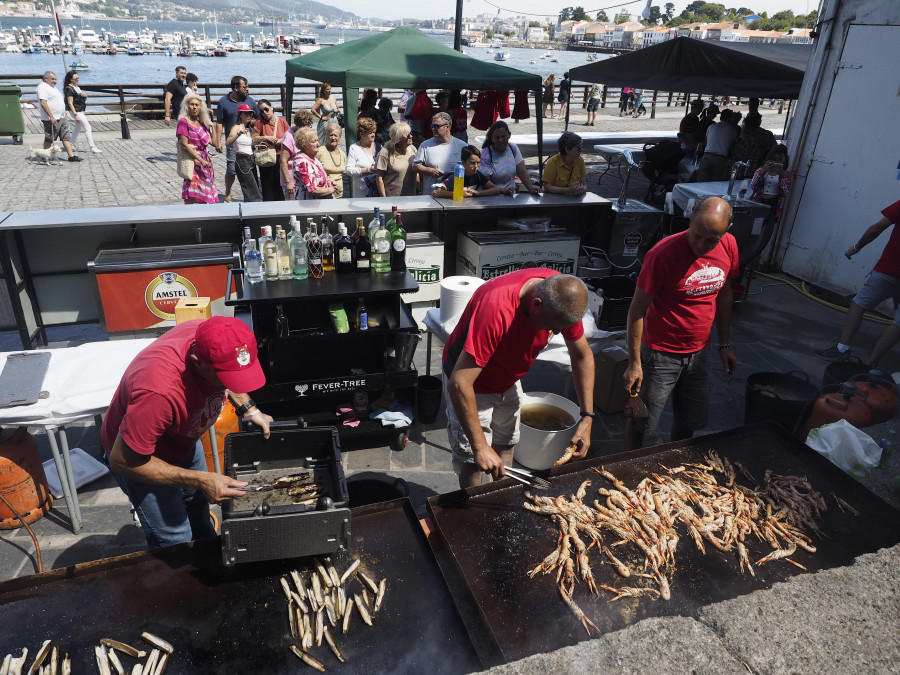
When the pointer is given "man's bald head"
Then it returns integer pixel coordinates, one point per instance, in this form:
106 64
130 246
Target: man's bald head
710 220
565 296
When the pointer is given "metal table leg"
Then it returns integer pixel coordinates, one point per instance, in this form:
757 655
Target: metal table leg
428 357
66 478
214 444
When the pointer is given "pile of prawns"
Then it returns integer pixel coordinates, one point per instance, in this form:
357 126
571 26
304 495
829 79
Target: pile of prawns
648 517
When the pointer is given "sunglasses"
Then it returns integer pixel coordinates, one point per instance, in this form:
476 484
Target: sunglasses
438 126
265 110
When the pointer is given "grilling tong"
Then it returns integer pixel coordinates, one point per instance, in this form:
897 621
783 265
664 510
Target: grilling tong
527 478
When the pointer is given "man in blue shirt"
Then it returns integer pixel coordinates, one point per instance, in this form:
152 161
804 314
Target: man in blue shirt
226 117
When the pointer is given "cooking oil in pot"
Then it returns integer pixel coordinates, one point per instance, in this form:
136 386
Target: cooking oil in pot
545 417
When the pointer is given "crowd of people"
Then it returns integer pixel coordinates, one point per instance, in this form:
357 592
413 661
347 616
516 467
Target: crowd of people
276 162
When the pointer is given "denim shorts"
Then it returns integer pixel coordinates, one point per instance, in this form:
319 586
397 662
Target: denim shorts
877 288
498 415
685 377
230 156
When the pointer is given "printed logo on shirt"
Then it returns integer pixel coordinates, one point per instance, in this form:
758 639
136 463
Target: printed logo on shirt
165 290
705 281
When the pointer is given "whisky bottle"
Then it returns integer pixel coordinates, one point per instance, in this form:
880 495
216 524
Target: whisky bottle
314 251
363 251
327 247
344 260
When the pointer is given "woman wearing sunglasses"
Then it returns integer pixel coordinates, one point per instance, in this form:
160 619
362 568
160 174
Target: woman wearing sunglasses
270 129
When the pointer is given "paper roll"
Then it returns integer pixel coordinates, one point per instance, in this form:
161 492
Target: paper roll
455 294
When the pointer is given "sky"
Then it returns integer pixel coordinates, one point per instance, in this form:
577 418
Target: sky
396 9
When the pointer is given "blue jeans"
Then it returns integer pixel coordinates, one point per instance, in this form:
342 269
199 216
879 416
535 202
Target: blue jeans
170 514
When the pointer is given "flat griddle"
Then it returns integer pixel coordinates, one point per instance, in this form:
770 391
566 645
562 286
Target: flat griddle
494 542
234 620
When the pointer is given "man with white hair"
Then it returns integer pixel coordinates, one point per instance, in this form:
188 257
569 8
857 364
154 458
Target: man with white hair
53 115
504 327
439 154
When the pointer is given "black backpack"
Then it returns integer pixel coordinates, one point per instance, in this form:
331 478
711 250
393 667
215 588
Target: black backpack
661 158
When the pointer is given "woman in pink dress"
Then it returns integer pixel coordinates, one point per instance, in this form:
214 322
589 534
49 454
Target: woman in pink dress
310 178
193 133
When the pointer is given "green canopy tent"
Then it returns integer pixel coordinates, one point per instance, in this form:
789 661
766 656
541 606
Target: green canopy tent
407 59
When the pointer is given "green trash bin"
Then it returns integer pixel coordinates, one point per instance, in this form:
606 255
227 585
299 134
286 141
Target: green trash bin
12 123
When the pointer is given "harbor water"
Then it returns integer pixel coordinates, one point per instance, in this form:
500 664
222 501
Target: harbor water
268 67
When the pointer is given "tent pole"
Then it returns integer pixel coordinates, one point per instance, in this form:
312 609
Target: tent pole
457 27
787 118
539 107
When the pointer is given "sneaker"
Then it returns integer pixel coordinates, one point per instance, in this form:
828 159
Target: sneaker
75 158
95 149
831 353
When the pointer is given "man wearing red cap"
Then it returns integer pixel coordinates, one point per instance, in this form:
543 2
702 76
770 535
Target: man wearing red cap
169 396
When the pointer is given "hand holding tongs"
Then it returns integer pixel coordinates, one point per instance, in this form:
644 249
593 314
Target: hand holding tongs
527 478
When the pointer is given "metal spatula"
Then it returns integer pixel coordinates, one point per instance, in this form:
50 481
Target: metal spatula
634 406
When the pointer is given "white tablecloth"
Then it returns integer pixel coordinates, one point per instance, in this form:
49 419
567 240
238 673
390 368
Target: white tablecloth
80 382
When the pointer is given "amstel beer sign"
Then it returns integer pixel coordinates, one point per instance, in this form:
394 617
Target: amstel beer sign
164 292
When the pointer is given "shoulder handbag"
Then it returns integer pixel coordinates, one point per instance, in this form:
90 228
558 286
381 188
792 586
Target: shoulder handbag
264 155
341 120
185 162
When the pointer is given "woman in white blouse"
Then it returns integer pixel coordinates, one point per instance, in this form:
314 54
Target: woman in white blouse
361 158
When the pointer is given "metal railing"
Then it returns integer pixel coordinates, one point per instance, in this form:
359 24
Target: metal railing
147 101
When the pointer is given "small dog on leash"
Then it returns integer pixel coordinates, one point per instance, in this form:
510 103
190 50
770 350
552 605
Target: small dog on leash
48 156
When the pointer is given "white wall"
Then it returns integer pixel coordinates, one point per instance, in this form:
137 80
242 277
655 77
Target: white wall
845 145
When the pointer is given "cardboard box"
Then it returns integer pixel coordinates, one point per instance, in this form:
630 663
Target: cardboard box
192 308
491 254
425 261
609 368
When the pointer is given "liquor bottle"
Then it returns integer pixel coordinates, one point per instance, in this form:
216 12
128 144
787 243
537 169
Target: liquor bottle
309 228
343 251
244 244
363 252
374 223
392 223
253 263
459 176
398 247
285 269
327 247
297 245
314 251
355 235
270 259
265 232
362 314
282 330
381 248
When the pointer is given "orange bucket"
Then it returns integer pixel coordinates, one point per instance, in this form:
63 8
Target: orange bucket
22 480
226 424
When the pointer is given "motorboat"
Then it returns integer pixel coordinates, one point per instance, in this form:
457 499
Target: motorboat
502 55
80 64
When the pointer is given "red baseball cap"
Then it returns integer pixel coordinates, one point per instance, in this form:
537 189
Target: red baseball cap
229 346
243 107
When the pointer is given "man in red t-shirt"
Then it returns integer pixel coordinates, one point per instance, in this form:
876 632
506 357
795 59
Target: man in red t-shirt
169 396
503 328
881 284
684 286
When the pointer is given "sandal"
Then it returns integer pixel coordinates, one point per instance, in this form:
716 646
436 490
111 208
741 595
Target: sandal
227 200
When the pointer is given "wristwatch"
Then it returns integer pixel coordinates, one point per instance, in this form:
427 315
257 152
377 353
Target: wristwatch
245 408
585 413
